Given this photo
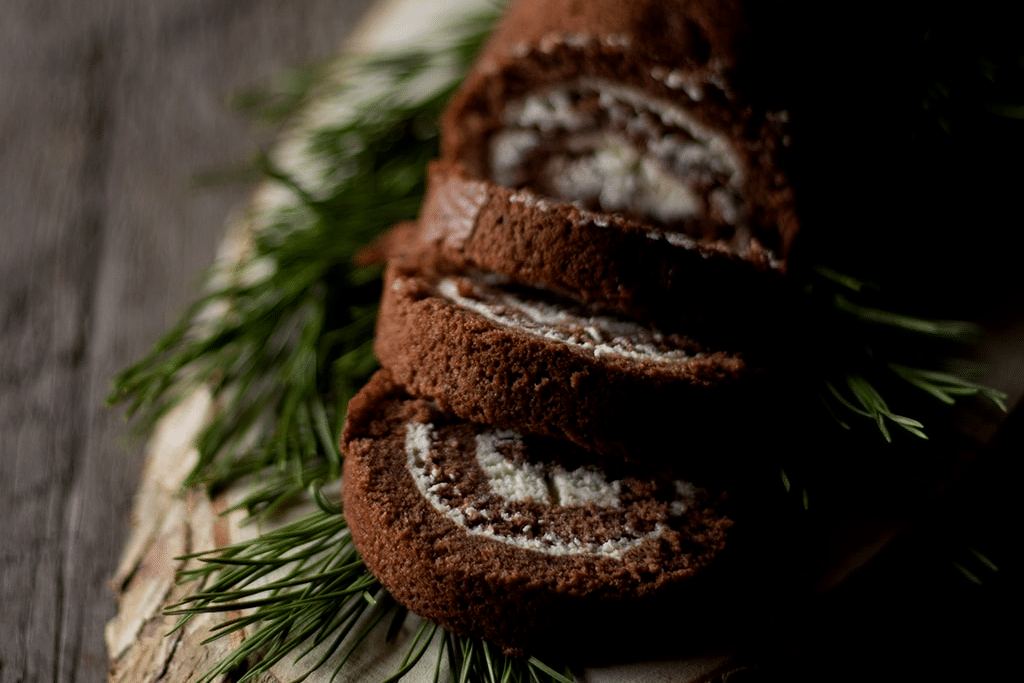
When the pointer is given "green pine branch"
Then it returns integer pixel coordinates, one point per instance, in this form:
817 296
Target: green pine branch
283 339
947 387
862 336
303 589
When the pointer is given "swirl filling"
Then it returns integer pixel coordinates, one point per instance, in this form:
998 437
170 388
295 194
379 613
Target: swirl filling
528 311
612 148
498 488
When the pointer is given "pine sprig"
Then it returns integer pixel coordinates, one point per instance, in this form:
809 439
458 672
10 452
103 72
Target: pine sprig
981 566
860 336
283 337
957 330
472 660
868 402
296 587
266 361
303 588
947 387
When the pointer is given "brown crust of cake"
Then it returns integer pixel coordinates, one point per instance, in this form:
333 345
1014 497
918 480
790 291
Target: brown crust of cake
494 374
474 585
547 43
611 262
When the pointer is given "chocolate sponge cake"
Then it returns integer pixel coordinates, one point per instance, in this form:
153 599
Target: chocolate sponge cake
567 330
634 108
494 353
608 261
500 536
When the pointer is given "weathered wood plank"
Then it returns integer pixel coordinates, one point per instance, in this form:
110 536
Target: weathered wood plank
107 112
46 293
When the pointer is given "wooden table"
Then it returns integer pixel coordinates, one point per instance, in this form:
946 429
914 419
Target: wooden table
109 110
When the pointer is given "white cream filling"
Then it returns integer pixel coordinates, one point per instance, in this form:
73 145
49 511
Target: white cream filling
552 485
602 335
506 479
620 177
656 179
520 481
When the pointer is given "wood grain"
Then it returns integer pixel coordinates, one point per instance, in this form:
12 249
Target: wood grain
108 111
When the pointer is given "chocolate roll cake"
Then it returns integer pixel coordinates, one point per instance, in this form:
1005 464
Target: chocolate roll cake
611 262
495 353
560 331
500 536
634 108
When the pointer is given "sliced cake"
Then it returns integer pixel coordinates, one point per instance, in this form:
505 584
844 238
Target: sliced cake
610 262
496 353
531 543
634 108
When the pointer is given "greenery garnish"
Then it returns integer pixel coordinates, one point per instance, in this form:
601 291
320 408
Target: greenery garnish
863 335
870 404
304 585
945 329
972 576
298 586
282 338
945 386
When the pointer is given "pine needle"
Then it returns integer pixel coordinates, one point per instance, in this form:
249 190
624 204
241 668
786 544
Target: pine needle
303 586
864 338
283 338
870 404
947 387
956 330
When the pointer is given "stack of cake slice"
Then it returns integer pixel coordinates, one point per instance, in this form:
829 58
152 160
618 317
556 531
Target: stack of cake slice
563 332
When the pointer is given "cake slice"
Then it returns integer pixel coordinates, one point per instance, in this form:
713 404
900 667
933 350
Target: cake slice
496 353
607 261
635 108
528 542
